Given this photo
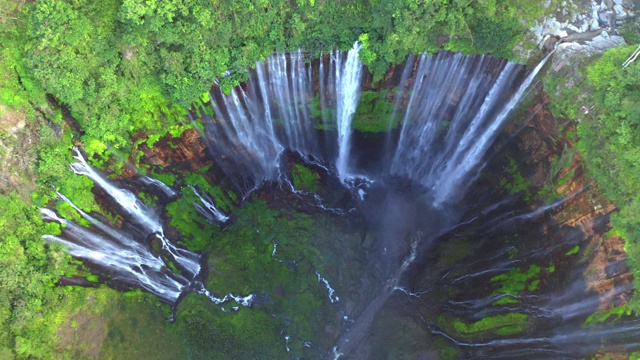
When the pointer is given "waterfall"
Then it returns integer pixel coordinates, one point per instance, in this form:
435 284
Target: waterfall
155 183
127 254
138 213
127 260
135 210
208 208
475 142
252 127
457 105
451 109
255 123
348 77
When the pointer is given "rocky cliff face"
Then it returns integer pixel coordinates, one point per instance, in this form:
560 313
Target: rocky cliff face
586 210
558 219
547 140
186 151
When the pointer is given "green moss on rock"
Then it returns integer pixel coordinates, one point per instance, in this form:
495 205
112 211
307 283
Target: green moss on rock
374 112
500 325
304 178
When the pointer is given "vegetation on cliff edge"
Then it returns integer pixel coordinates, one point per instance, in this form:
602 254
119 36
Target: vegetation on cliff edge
610 142
603 96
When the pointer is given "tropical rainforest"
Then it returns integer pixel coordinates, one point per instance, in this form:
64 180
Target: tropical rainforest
116 77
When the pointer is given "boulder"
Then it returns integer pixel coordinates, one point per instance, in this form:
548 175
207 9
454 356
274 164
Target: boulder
621 14
567 53
604 42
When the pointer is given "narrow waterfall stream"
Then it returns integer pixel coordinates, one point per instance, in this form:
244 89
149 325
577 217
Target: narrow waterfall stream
411 243
348 78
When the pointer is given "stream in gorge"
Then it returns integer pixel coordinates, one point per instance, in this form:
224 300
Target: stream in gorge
346 241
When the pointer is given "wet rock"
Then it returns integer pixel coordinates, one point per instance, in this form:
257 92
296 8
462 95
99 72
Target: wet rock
549 43
548 27
568 53
621 14
76 281
565 55
607 18
607 273
604 42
